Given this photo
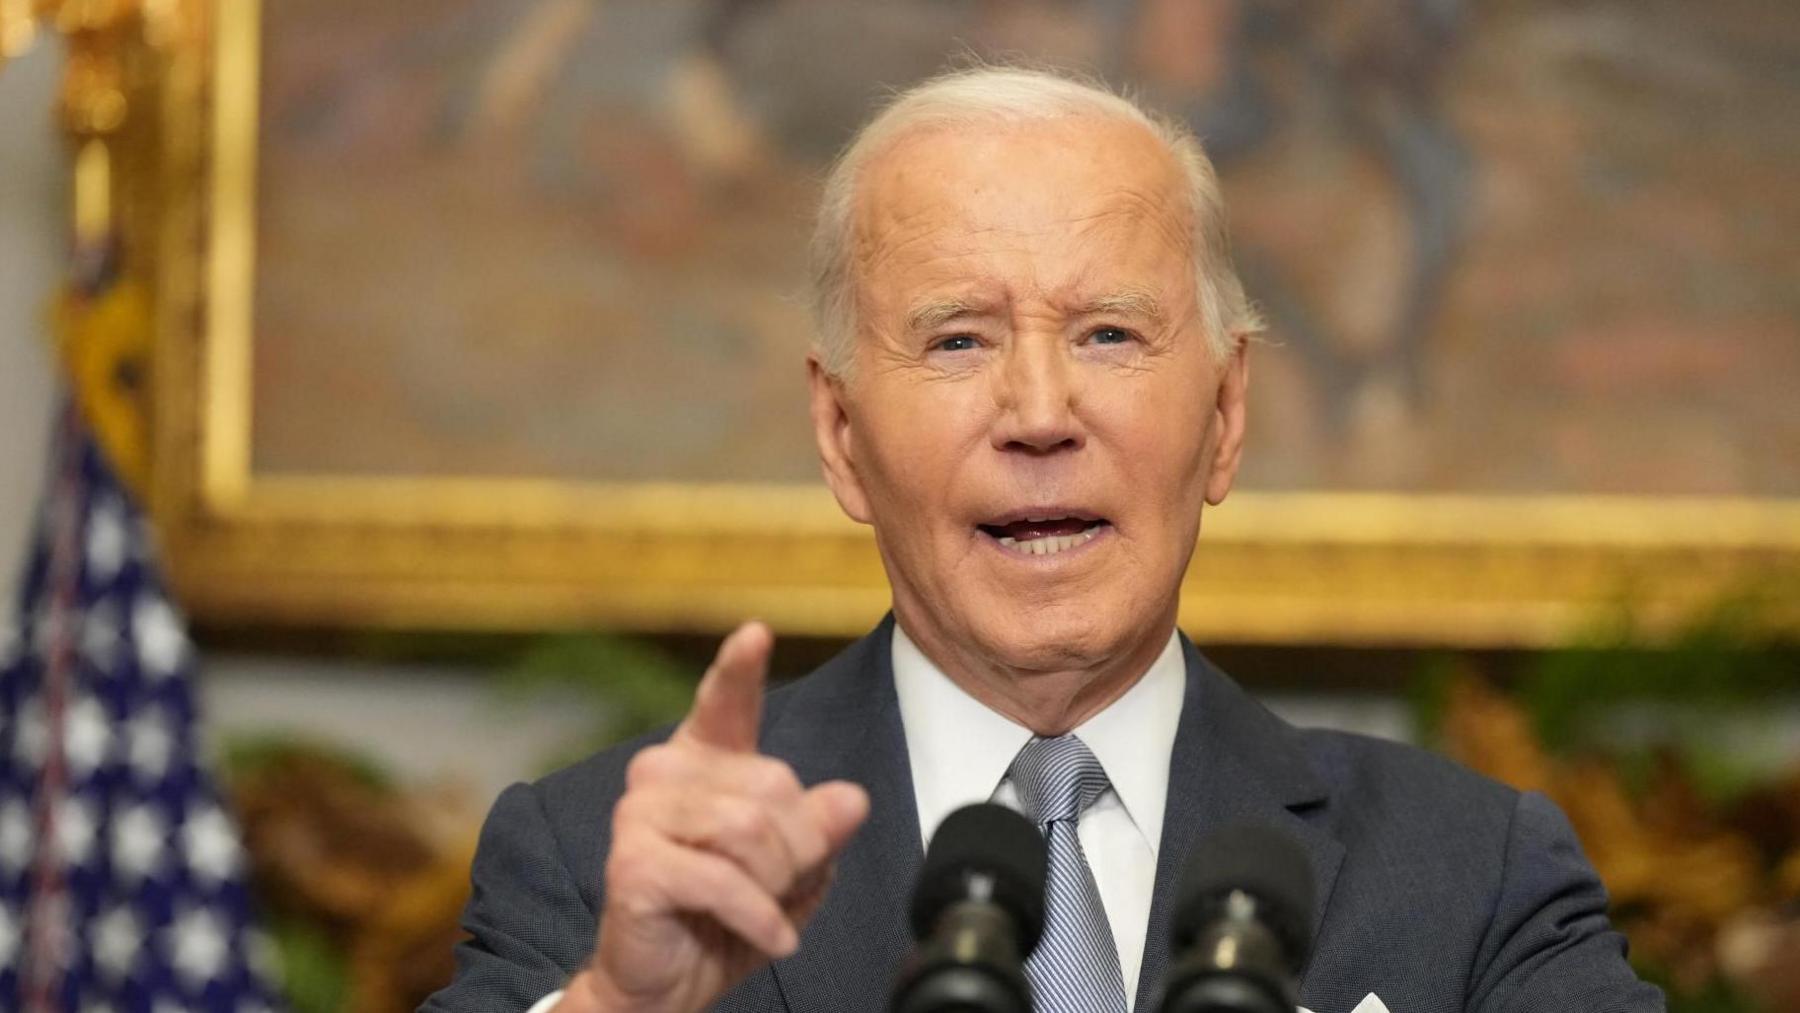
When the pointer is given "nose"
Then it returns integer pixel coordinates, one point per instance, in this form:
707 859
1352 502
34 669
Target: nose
1037 392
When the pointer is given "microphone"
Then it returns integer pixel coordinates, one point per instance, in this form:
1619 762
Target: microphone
1243 924
977 912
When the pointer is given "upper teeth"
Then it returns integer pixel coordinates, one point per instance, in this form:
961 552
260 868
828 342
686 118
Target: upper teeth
1047 544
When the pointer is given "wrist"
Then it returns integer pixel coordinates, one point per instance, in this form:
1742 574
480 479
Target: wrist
591 992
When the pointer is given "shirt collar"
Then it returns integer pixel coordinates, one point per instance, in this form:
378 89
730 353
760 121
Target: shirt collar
959 750
1134 737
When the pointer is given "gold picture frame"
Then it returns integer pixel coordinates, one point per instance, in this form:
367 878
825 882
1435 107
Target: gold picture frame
502 553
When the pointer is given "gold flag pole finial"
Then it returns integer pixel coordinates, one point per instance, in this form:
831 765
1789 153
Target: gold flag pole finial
102 317
19 25
18 28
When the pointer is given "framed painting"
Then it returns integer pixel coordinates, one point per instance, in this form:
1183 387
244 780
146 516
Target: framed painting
488 313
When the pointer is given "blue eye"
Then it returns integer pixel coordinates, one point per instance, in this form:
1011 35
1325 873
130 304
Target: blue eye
956 343
1110 336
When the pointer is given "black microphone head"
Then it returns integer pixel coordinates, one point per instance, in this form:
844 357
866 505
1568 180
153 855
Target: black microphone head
984 852
1261 861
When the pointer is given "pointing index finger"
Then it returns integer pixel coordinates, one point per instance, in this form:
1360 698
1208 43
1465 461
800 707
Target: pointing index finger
728 703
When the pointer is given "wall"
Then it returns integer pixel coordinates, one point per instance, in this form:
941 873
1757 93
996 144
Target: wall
427 723
31 197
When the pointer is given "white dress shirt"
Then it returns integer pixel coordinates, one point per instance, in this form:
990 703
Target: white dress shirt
960 751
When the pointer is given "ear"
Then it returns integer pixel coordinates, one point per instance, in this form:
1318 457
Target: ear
1229 418
831 431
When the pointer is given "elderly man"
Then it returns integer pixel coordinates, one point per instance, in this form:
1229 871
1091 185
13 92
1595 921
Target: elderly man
1030 383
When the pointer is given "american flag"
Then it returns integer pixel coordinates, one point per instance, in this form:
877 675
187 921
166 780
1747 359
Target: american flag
122 875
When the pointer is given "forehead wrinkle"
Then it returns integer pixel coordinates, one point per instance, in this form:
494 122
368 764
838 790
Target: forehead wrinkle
1164 211
885 224
878 242
903 229
895 232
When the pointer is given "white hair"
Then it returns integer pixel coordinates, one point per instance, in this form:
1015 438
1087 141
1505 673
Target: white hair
988 95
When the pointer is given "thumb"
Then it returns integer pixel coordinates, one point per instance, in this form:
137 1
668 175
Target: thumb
840 807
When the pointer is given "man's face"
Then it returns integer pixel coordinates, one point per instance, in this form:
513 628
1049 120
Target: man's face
1034 418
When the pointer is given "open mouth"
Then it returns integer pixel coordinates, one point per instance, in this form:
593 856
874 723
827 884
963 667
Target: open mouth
1044 535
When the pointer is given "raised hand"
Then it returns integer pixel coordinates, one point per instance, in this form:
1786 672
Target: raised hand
719 855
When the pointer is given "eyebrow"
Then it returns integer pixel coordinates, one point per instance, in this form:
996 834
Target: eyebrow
929 316
1136 303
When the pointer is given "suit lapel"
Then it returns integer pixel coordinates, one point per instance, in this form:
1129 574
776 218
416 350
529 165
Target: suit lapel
1233 761
845 723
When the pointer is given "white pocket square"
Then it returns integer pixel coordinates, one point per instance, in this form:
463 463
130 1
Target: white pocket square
1370 1004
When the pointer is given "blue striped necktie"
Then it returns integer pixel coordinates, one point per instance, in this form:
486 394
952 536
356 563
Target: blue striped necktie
1075 967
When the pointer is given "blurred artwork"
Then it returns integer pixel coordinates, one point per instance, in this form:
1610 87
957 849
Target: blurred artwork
1521 246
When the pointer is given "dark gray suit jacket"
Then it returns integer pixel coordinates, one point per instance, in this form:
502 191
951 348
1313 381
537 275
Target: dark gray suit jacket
1438 890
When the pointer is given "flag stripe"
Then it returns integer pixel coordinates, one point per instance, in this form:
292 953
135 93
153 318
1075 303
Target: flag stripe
47 927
